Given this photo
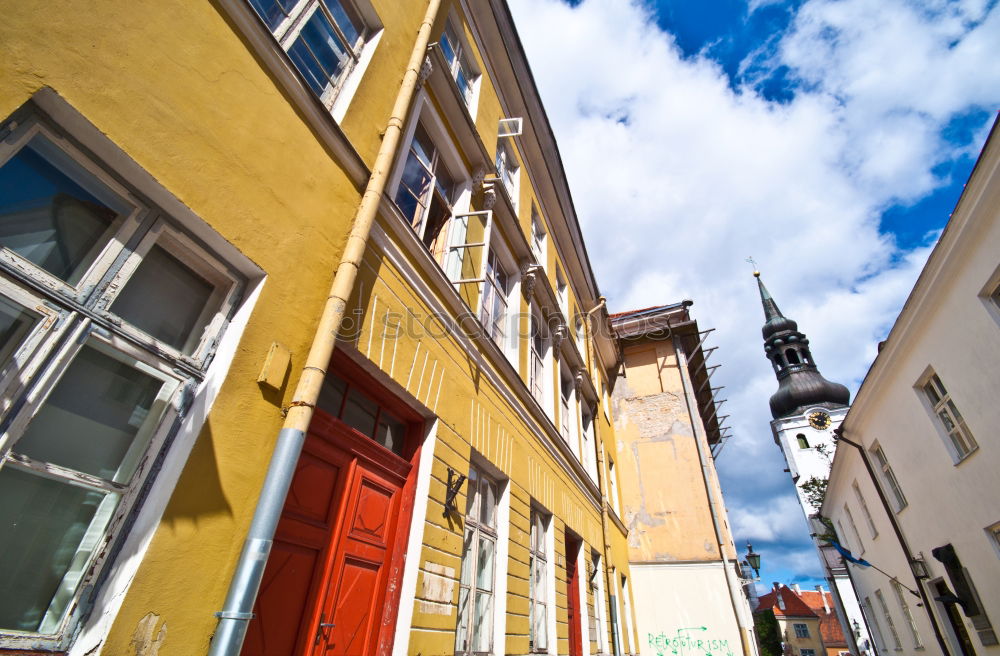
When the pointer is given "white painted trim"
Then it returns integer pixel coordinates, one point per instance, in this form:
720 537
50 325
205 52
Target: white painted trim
581 584
414 545
350 85
502 557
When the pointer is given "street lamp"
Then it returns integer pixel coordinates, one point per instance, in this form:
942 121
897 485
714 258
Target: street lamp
753 559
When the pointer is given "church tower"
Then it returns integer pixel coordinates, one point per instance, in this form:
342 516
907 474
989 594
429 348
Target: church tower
806 407
805 410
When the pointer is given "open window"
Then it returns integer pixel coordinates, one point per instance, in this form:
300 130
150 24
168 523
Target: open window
110 312
538 237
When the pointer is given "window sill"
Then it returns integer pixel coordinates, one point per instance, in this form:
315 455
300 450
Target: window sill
966 457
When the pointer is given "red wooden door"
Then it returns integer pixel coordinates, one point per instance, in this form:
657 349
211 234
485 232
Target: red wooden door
573 597
324 586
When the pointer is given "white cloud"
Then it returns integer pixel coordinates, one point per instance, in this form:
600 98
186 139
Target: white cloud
677 178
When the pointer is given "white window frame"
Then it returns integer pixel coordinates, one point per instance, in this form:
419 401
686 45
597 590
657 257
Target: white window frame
446 156
801 630
947 419
888 620
539 557
597 585
510 127
587 439
879 638
539 359
73 315
807 651
854 529
864 509
568 408
463 62
337 93
888 477
480 531
907 615
562 292
509 341
539 241
993 533
508 171
613 485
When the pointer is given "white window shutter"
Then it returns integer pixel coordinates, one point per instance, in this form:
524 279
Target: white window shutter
510 127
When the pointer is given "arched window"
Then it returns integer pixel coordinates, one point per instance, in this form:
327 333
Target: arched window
793 356
803 442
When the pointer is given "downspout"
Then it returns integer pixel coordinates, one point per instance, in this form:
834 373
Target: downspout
712 505
609 583
839 432
238 609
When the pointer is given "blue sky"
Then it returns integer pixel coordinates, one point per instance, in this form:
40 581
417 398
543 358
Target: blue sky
830 139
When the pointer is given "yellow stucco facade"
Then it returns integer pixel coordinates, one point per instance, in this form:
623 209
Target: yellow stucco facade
197 112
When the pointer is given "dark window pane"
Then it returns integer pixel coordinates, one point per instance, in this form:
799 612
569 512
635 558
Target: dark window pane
165 298
359 412
43 526
53 212
92 418
324 45
331 395
391 433
272 11
15 324
308 66
348 23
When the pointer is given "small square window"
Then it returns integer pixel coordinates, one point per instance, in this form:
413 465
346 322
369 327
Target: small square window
801 630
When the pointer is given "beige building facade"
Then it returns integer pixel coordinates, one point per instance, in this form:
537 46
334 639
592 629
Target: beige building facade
914 487
686 582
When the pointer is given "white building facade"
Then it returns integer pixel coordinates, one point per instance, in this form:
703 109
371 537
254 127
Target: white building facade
914 486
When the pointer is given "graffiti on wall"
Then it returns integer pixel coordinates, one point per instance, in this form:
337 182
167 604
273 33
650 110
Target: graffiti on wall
690 641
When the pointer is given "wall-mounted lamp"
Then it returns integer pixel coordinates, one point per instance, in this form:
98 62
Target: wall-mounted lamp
455 481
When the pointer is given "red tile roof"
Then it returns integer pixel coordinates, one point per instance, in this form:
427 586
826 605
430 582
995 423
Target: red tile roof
794 606
829 625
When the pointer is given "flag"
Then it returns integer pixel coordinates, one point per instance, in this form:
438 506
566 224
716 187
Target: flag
847 554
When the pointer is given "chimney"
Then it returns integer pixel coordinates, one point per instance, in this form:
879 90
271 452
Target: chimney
777 596
822 595
795 588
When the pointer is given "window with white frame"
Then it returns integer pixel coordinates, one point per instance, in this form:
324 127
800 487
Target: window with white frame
496 294
580 333
889 477
562 291
994 533
537 356
864 509
613 485
874 624
323 38
427 190
907 615
842 535
807 652
508 170
888 620
587 440
538 237
474 633
801 630
539 571
567 406
460 63
959 437
597 586
854 529
109 314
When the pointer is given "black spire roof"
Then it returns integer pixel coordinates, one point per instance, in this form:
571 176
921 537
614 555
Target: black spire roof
800 385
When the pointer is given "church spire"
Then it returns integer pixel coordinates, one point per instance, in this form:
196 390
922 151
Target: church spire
800 385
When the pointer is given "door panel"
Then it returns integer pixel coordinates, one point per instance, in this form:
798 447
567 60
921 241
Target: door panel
356 593
301 543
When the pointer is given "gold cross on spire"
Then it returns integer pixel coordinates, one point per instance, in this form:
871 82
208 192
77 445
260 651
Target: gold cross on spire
751 262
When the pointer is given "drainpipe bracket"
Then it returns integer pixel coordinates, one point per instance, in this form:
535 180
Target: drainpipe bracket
230 615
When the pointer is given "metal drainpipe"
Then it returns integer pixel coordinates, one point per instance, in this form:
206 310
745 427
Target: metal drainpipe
899 536
706 478
612 599
238 608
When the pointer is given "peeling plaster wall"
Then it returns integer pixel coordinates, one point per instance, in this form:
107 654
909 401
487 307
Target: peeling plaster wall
665 503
